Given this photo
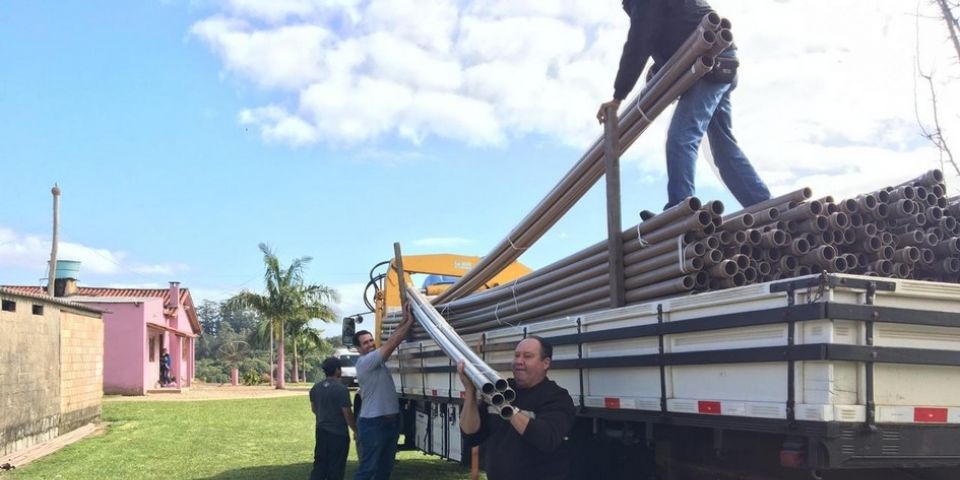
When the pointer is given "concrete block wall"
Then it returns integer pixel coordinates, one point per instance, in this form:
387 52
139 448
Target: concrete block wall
51 370
29 374
81 369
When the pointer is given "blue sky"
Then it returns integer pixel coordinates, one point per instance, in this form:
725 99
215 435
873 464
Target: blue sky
184 133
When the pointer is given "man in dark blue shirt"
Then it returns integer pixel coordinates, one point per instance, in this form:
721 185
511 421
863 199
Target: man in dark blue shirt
657 29
330 402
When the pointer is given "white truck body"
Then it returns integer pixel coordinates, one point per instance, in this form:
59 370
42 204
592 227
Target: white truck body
810 358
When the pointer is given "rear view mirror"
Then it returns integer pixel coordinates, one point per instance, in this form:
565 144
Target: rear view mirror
349 328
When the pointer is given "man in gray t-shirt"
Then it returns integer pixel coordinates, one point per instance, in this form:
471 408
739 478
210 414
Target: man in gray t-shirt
330 402
379 424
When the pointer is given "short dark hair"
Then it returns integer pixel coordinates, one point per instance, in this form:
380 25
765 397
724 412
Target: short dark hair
356 337
546 349
331 365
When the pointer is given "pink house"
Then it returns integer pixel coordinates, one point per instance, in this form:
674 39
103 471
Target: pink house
137 325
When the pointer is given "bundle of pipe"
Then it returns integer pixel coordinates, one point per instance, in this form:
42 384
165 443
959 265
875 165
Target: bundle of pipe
910 230
665 255
694 59
493 389
689 248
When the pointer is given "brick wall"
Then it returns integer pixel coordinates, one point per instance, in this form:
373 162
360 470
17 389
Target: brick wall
31 383
29 374
81 369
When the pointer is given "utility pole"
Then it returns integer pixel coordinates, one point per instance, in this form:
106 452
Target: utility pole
56 239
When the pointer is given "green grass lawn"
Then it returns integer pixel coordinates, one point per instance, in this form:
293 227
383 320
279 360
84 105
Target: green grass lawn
228 439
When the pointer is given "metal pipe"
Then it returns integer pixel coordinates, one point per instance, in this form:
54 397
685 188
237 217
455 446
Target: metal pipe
451 343
838 220
662 289
820 256
669 73
664 273
723 41
908 255
803 211
795 196
853 262
740 222
930 177
799 247
949 247
813 225
473 374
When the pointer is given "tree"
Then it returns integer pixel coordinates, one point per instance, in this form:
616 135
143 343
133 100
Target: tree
932 128
232 353
309 350
286 299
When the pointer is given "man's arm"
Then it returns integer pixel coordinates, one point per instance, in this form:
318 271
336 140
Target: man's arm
397 336
470 416
348 416
550 426
646 18
519 421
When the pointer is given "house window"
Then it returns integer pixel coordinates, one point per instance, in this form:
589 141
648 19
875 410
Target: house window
153 345
38 309
9 306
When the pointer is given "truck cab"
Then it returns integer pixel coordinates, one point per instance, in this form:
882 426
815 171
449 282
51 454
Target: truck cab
348 360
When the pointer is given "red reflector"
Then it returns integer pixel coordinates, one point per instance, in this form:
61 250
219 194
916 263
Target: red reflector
930 415
791 458
434 392
713 408
610 402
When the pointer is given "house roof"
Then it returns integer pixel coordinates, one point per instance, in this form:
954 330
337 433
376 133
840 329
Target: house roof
117 293
41 296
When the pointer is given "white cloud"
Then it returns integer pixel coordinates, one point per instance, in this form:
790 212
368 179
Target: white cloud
33 251
284 57
442 242
275 11
821 96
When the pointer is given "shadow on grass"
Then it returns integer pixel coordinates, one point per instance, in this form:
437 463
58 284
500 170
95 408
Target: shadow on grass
299 471
405 469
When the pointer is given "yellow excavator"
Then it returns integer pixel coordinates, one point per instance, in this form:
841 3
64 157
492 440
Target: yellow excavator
382 293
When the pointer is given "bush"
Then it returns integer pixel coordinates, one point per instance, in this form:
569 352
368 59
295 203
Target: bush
211 371
252 377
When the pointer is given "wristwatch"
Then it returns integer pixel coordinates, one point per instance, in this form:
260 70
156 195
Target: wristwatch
526 413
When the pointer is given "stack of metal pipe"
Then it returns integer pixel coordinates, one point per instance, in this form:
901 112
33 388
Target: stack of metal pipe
694 59
906 231
492 387
910 230
666 255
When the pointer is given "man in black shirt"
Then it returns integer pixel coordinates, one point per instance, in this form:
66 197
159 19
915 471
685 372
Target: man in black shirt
330 402
657 29
531 445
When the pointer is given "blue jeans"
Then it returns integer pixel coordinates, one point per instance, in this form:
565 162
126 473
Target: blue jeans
706 108
378 446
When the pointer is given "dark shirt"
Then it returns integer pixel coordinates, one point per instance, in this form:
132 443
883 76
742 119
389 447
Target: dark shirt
542 452
328 399
657 29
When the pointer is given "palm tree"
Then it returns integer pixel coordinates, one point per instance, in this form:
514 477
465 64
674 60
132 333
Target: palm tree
302 334
306 341
286 299
232 353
